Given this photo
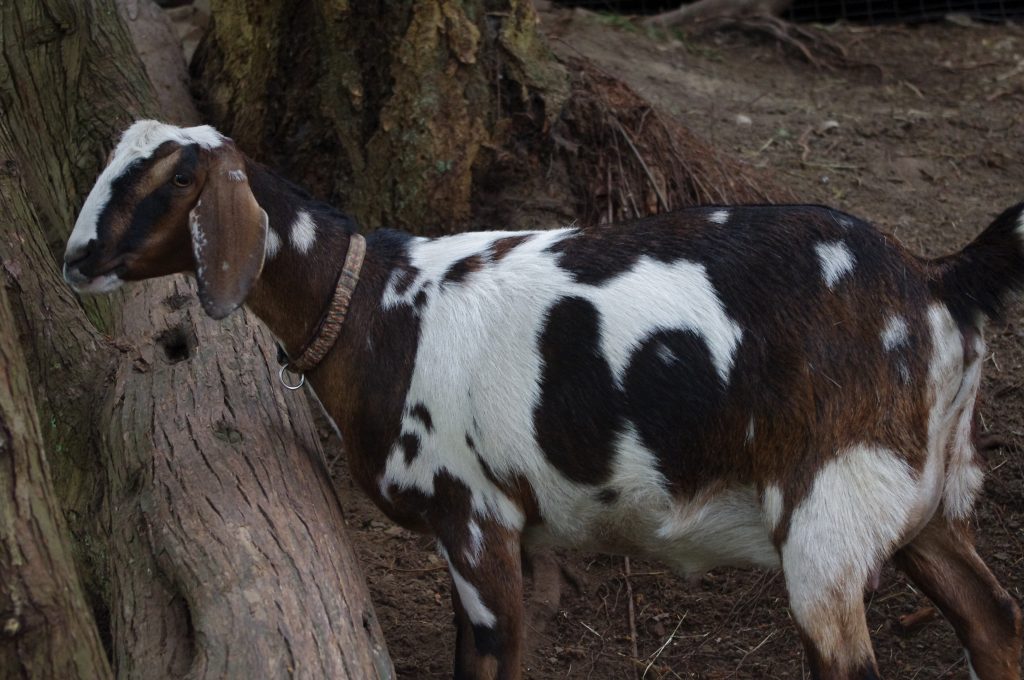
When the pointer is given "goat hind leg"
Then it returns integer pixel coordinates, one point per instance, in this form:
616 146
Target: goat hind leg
942 561
834 630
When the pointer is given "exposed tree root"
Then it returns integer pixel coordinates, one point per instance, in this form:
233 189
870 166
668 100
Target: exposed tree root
759 17
817 48
703 10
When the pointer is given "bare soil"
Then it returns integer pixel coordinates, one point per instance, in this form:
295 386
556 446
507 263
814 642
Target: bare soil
921 132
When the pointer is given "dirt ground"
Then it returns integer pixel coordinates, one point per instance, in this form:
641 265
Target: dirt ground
924 135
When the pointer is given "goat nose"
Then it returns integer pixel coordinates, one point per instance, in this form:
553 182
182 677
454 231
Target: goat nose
73 276
76 256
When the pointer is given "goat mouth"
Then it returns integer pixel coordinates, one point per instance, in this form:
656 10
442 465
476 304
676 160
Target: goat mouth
103 282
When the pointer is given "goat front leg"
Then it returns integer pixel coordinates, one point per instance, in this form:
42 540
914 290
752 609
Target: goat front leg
487 596
942 561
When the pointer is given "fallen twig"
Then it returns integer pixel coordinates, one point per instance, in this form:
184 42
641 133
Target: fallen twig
664 644
632 614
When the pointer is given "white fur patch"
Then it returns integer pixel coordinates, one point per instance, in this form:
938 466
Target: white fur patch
836 261
953 389
895 334
750 430
857 510
476 543
719 216
237 175
970 667
273 243
724 527
100 284
772 504
457 323
137 144
433 257
303 232
626 322
476 610
198 240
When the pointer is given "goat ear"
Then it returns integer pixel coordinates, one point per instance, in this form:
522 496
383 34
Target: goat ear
229 235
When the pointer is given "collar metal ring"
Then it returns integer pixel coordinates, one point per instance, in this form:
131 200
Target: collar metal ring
280 376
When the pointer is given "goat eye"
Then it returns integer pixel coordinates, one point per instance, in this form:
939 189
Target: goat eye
182 180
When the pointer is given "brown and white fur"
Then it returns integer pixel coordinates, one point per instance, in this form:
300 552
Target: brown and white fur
778 386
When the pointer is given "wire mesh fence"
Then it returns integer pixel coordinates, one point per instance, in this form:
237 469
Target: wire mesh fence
859 11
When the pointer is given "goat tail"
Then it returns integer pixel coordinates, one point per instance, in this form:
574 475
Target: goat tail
976 282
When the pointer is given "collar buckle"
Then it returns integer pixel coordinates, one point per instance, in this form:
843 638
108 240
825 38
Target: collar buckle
284 381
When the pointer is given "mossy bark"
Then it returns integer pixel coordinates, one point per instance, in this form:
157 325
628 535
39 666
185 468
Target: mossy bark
46 628
395 110
207 531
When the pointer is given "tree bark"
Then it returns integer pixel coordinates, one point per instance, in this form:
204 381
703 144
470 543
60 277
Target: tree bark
46 628
207 528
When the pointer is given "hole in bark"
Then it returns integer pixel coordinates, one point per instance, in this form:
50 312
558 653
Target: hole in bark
177 344
101 614
190 630
180 636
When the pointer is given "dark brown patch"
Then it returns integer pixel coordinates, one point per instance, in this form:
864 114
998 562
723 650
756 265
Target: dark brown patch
410 446
608 496
503 246
943 562
160 168
488 473
580 408
420 412
406 275
460 269
448 511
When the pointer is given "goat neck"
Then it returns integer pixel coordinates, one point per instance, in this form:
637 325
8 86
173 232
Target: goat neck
307 241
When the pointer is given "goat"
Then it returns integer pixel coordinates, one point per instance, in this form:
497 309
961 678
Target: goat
781 386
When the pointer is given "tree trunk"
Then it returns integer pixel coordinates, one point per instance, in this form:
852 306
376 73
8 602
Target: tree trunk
439 115
407 100
46 628
207 529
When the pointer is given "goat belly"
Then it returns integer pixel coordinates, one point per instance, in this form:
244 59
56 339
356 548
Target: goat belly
724 526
